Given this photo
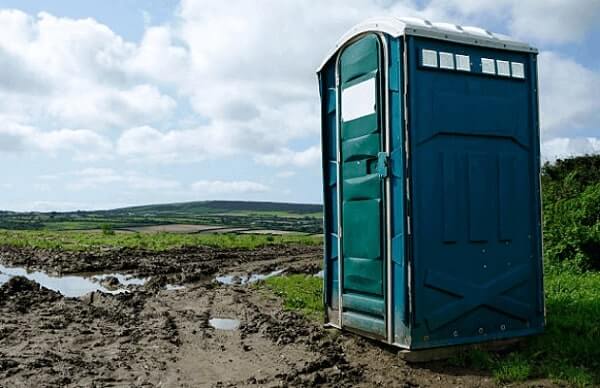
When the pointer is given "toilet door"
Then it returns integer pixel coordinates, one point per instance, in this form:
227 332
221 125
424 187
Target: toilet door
362 188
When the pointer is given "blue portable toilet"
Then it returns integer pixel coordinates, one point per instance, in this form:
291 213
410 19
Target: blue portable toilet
430 141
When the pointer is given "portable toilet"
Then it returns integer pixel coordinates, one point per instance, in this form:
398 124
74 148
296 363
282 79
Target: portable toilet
430 141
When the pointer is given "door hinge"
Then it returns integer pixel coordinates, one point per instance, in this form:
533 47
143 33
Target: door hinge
383 165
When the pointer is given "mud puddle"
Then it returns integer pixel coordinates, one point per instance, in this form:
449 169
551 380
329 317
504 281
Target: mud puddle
174 287
73 286
246 279
224 323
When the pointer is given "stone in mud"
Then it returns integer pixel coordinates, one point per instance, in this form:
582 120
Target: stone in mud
156 283
110 282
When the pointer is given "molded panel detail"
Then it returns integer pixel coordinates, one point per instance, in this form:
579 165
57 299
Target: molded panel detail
362 228
472 115
362 188
363 303
363 275
398 249
450 194
506 197
470 296
359 58
481 198
360 127
364 323
361 147
331 100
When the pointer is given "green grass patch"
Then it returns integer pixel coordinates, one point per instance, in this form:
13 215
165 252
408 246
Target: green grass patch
78 240
568 351
302 293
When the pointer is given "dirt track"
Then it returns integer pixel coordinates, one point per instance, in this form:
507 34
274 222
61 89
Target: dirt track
154 337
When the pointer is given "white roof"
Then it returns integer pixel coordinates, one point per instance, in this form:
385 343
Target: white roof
397 26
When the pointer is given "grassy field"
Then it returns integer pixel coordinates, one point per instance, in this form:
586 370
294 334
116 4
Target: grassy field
256 215
78 241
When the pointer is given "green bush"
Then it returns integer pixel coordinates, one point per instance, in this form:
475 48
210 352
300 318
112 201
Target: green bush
571 203
107 229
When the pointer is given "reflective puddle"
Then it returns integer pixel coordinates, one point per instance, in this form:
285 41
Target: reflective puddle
224 323
174 287
245 279
126 280
71 286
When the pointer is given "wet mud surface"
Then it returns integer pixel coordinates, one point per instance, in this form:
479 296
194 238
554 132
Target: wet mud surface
154 336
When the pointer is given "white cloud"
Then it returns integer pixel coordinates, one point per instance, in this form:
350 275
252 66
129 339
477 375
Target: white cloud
206 187
563 147
286 174
546 21
569 95
91 178
308 157
74 72
149 144
83 143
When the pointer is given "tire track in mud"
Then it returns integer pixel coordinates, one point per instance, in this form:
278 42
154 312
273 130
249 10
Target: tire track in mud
270 348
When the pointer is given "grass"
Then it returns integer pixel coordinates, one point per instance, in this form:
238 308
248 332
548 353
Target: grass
302 293
568 351
79 241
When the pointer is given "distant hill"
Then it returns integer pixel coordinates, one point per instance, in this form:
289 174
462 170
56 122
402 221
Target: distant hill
256 215
211 207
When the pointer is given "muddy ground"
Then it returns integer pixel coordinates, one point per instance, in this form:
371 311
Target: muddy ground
155 337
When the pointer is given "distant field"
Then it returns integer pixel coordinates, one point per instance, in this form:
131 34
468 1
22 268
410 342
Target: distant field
84 240
292 217
173 228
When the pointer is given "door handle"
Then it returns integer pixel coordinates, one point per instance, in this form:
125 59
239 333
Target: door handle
382 165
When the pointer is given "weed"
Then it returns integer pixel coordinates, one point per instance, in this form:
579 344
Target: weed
515 367
299 292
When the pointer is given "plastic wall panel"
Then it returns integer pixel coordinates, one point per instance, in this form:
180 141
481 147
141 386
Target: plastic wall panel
397 200
330 185
475 201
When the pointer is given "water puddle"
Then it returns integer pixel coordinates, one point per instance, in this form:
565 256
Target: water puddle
126 280
174 287
71 286
224 323
245 279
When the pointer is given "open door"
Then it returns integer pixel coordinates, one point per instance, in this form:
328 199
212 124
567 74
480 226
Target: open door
362 187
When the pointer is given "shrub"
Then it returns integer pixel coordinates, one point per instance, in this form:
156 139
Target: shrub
107 229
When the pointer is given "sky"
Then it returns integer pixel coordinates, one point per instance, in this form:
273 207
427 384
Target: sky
110 104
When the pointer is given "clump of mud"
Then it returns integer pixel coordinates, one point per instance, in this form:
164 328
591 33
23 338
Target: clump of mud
100 338
20 294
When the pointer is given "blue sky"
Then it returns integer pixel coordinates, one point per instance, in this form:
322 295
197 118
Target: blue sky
106 104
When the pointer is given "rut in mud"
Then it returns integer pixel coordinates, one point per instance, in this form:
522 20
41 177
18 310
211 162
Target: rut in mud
159 337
